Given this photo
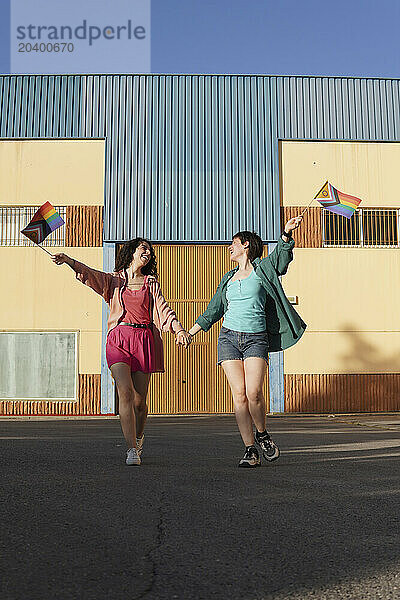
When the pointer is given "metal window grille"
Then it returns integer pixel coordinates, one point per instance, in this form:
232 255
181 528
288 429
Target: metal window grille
380 227
367 228
339 231
15 218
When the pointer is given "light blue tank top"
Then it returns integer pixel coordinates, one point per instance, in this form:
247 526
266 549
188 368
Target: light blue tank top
246 305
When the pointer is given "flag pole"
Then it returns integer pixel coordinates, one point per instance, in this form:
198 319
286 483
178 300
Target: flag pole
307 207
44 249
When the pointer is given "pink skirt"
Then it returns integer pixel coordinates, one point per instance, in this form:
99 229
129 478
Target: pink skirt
134 347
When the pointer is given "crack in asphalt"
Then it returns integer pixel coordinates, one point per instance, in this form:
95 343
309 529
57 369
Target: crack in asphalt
149 556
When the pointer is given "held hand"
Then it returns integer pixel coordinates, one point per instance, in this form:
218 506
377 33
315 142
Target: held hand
195 329
293 223
183 338
60 258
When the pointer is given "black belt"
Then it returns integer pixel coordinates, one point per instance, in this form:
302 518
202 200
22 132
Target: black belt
138 325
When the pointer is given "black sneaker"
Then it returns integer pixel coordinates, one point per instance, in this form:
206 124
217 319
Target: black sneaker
251 458
269 449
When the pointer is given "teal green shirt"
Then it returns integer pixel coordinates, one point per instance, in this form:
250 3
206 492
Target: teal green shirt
284 325
246 305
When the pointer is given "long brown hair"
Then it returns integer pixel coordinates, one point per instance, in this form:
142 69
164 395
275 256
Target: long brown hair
125 256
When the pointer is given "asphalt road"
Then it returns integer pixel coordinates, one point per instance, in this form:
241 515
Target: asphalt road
320 523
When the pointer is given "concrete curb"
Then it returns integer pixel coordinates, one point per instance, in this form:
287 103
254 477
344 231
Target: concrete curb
336 416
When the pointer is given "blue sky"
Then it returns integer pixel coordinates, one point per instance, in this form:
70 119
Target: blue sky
307 37
298 37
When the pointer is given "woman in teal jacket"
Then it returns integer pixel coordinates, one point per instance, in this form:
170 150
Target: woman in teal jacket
258 319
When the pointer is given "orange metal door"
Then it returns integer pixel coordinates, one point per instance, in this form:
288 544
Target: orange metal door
192 382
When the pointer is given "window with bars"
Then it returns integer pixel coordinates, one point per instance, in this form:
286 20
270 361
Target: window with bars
367 228
15 218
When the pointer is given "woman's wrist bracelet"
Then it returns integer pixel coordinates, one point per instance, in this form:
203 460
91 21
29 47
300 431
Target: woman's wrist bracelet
176 332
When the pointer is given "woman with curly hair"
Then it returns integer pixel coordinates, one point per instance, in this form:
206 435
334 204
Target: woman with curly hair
138 312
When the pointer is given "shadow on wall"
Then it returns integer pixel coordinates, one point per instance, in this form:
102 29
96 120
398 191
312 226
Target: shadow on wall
371 383
364 357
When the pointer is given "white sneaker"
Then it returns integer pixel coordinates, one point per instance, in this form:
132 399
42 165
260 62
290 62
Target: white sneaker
139 445
132 457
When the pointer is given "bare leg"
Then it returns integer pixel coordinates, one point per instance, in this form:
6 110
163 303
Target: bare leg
255 369
140 385
234 371
123 380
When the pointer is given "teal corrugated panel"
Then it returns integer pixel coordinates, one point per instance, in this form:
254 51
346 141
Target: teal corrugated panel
128 184
106 127
3 122
69 98
24 102
386 90
11 107
226 157
140 164
271 229
200 151
209 201
94 112
181 213
396 108
4 106
148 187
30 106
61 117
120 124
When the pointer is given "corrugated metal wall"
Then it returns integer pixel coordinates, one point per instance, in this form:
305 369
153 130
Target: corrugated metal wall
84 226
342 393
88 401
309 235
194 157
192 382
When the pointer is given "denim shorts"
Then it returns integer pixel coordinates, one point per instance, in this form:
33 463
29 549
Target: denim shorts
235 345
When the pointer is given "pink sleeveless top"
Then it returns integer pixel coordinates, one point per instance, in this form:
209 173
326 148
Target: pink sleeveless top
135 347
137 305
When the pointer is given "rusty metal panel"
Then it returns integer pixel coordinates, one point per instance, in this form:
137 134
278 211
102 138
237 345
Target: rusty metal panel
309 235
185 387
88 402
84 226
341 393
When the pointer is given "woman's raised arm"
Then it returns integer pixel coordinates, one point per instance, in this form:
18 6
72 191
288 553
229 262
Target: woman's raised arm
99 281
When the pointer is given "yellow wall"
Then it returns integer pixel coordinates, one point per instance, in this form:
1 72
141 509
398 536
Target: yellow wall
347 296
346 287
349 300
41 296
65 173
367 170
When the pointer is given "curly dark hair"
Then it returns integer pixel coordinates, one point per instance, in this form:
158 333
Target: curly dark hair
255 243
125 256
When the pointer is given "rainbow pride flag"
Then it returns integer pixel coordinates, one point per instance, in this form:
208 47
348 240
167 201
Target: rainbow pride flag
44 221
337 202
